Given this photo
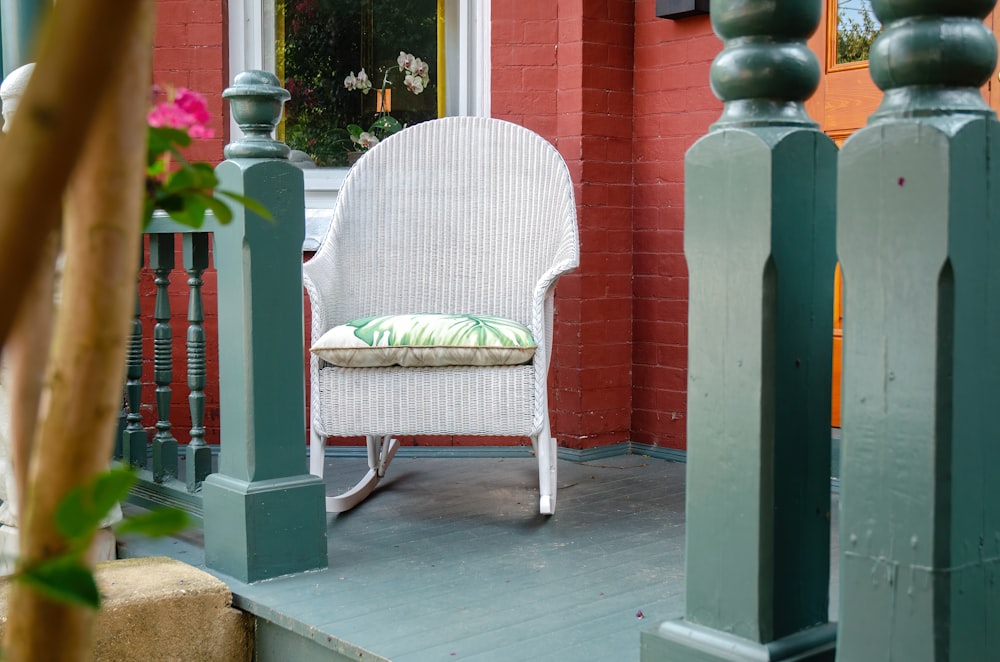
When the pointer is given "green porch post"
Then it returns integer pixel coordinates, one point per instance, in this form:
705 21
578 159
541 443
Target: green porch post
759 242
264 514
918 238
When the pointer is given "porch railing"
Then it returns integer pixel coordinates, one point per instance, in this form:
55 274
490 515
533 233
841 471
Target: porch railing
262 460
161 460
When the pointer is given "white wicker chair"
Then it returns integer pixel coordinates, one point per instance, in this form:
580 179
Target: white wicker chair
456 215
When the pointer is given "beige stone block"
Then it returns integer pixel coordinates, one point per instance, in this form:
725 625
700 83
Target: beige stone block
160 610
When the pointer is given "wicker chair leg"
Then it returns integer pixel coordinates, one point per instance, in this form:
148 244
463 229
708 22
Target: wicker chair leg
317 452
381 450
545 449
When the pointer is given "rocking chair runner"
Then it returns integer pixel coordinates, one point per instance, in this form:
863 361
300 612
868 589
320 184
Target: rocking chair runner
461 215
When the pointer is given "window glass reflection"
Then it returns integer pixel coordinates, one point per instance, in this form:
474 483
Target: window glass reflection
857 28
342 61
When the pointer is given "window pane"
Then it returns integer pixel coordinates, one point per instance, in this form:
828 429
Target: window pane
857 28
322 42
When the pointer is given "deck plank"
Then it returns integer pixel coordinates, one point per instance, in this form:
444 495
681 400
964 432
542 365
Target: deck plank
450 560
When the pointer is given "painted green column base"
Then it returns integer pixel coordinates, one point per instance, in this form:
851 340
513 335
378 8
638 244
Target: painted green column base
679 640
266 528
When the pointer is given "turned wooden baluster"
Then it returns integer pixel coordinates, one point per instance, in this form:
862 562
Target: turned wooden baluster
134 437
161 261
119 451
198 460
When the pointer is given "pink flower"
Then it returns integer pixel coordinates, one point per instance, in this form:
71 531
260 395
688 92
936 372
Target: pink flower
184 110
200 131
192 103
167 114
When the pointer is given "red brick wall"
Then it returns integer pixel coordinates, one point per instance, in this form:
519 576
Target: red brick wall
564 69
190 52
673 108
622 94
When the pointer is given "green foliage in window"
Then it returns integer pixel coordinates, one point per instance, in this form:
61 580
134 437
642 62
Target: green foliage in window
324 42
855 35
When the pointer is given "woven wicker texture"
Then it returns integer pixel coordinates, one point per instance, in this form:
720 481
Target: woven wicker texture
457 215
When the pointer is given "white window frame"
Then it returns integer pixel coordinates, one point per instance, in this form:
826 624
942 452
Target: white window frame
467 82
467 52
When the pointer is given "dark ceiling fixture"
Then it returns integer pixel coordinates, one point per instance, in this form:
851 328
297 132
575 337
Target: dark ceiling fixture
674 9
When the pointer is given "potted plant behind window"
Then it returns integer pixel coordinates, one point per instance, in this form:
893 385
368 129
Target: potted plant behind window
415 76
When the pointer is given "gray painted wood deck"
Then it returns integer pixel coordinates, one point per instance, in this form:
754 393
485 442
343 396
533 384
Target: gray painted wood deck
448 560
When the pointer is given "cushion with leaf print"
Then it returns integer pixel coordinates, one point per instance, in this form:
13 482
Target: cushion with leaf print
423 340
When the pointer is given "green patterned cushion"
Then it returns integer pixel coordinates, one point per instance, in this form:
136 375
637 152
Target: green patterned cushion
426 340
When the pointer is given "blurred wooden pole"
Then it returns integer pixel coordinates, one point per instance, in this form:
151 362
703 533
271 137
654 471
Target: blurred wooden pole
102 230
83 42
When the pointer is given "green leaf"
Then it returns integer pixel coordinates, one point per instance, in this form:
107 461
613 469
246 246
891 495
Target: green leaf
204 175
156 168
64 578
164 139
156 523
191 176
80 512
249 203
168 202
191 211
355 130
222 212
387 124
178 181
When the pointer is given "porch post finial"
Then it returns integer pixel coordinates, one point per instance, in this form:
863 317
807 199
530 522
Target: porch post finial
932 57
766 71
918 212
256 100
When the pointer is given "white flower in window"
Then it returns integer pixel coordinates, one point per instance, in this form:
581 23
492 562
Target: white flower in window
361 82
364 83
420 68
413 83
367 140
416 79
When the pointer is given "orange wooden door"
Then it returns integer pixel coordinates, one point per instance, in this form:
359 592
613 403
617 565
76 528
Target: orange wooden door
846 96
